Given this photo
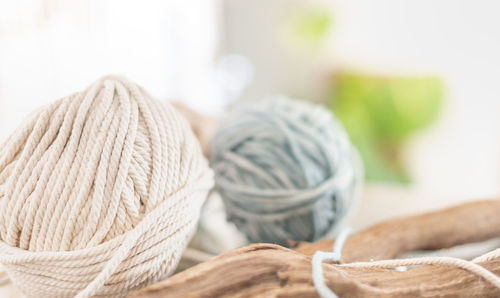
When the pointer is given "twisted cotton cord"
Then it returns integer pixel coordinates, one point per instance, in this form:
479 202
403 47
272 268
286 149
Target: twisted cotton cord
471 266
437 261
317 264
99 193
492 255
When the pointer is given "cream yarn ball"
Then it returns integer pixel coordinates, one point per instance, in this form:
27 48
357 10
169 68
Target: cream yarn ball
100 193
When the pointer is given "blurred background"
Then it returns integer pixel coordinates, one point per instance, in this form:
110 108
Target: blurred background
414 82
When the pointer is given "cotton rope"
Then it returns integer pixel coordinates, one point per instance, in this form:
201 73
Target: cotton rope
100 193
317 264
336 255
285 170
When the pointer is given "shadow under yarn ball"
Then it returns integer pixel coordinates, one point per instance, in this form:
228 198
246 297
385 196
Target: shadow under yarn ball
285 170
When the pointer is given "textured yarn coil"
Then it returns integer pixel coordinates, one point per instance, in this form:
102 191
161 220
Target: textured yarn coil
99 193
285 170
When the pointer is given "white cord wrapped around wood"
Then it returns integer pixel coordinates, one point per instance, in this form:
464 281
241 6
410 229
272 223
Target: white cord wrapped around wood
472 266
99 193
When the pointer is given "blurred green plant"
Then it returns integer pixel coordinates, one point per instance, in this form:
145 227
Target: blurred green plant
309 26
382 113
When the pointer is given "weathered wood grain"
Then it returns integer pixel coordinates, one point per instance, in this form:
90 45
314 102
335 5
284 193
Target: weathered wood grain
267 270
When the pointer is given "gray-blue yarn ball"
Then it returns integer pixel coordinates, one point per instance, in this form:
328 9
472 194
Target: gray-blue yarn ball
285 170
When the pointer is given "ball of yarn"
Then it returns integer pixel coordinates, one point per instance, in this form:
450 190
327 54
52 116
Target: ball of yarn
99 193
285 170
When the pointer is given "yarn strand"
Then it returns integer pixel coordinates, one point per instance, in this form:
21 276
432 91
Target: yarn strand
437 261
336 255
317 264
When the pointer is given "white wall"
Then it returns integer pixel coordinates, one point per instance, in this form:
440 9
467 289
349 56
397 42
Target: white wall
50 48
458 40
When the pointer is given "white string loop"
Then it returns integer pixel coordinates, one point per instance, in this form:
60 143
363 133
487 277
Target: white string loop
336 255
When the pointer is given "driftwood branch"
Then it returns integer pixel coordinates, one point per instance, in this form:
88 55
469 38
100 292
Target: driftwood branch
466 223
203 126
271 270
